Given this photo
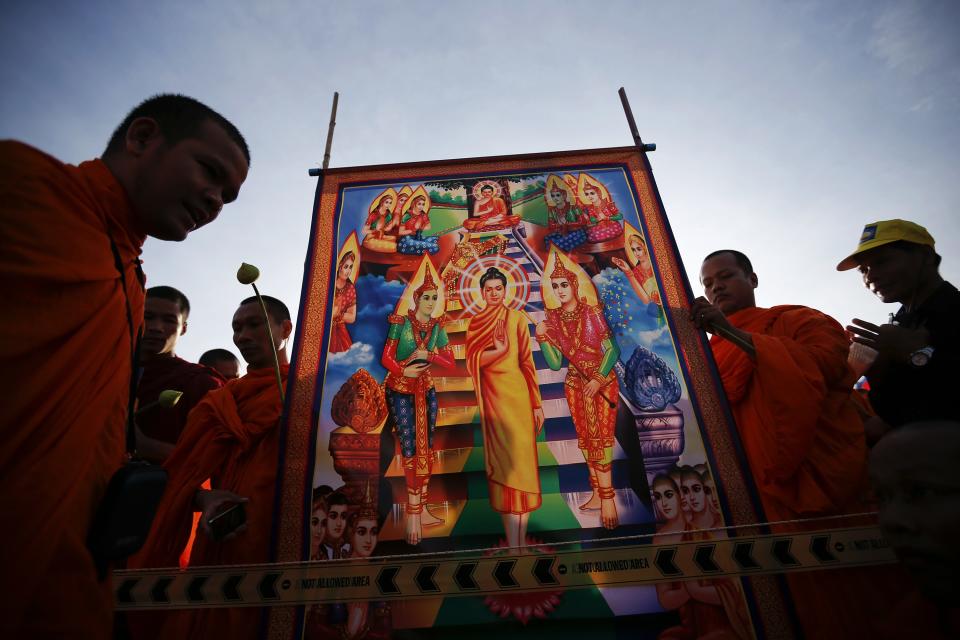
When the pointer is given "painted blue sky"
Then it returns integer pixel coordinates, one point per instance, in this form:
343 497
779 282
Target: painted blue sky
782 127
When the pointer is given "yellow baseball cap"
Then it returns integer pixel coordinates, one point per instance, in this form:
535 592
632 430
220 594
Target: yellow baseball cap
877 234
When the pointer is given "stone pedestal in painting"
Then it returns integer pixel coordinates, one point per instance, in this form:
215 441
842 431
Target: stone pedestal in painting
360 411
356 457
661 438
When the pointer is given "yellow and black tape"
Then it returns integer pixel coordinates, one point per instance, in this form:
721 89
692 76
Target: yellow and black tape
472 573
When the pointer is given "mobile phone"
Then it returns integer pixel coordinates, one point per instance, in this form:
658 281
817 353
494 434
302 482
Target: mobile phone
227 521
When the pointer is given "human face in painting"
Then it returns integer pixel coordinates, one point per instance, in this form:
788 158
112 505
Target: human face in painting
336 521
913 472
427 302
726 285
559 197
318 522
346 268
178 188
486 192
419 204
494 292
401 200
693 489
386 205
710 490
666 499
592 195
640 251
562 289
364 538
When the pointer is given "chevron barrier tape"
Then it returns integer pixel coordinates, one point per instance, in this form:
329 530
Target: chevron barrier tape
472 573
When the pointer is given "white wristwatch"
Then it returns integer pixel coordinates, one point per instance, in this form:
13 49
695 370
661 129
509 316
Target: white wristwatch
921 357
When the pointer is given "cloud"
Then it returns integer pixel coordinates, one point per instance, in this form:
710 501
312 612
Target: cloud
923 105
902 39
359 354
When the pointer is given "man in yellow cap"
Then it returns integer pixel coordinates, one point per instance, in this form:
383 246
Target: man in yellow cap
918 351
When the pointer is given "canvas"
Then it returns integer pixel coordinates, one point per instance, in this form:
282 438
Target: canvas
494 355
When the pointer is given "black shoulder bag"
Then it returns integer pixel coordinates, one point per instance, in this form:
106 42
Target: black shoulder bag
124 517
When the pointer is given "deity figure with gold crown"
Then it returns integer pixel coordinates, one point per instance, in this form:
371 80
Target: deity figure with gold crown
599 211
575 330
564 219
379 230
416 341
414 220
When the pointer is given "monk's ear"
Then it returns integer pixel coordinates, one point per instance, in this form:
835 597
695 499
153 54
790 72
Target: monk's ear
754 280
286 329
183 330
142 134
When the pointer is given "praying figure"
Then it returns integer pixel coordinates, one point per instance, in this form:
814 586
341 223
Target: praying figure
344 304
416 341
640 274
379 231
577 331
500 362
414 220
599 211
563 215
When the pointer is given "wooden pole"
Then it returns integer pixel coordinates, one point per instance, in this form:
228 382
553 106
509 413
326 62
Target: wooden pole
633 123
333 123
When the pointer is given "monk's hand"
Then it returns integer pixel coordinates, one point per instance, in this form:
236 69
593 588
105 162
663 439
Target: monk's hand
591 388
892 341
538 419
707 317
213 501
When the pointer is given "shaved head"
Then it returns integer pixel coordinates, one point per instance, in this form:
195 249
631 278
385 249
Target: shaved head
179 117
172 295
277 310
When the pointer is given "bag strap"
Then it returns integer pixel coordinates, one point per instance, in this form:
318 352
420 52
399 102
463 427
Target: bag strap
134 353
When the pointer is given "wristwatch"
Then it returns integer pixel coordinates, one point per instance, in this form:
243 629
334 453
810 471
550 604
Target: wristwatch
921 357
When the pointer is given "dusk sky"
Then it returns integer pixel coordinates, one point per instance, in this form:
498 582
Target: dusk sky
782 128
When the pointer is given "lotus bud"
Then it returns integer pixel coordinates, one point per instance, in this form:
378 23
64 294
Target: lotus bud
247 273
169 398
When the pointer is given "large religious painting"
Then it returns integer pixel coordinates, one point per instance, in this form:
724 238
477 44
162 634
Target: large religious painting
494 355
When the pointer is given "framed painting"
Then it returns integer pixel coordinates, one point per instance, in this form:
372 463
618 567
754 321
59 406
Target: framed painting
494 357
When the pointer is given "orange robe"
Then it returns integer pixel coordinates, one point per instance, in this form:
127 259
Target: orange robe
804 442
232 437
507 395
65 357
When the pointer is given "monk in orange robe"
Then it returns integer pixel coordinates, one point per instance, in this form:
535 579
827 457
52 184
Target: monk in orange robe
785 373
66 351
232 438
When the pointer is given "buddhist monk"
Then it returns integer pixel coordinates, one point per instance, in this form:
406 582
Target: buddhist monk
222 361
164 321
73 304
232 438
785 373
